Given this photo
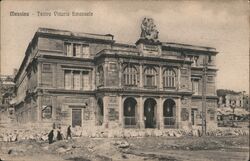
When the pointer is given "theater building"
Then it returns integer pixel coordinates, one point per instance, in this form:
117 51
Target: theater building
85 80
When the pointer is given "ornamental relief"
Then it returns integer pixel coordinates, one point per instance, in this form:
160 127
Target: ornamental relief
186 102
184 114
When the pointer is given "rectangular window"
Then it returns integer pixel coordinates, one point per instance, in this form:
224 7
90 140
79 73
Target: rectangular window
112 66
67 79
69 49
76 117
46 68
74 49
195 86
210 78
85 51
46 75
77 50
149 80
76 80
85 81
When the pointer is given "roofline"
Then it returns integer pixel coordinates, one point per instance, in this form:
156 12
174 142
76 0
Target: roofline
179 46
79 35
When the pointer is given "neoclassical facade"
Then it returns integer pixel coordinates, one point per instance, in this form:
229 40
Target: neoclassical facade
89 80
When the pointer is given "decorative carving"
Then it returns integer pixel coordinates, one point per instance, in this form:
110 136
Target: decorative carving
184 101
113 114
148 29
184 114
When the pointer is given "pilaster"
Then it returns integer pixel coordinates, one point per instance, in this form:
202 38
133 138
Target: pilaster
141 113
105 111
39 74
178 110
93 78
160 123
141 76
120 106
160 78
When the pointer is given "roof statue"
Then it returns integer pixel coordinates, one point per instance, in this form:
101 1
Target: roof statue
148 29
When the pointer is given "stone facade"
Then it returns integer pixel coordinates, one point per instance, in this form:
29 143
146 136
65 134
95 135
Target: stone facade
90 80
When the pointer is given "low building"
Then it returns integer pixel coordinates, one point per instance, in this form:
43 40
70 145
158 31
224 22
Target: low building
90 80
229 98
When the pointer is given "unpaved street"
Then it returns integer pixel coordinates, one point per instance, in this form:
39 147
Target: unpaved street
132 149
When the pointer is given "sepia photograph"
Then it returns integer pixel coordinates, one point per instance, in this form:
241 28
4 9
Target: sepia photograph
124 80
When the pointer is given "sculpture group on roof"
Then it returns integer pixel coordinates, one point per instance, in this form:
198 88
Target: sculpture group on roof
148 29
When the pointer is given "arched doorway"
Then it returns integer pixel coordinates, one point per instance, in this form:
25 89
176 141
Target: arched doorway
100 112
130 112
169 113
150 113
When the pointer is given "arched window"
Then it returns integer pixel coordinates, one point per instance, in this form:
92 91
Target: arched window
169 78
130 75
150 76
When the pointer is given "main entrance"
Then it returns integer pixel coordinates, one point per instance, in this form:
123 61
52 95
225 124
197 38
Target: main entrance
130 112
169 112
76 117
150 113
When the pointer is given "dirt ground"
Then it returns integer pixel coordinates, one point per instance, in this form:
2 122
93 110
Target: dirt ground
230 148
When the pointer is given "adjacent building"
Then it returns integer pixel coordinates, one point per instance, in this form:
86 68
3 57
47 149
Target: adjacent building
232 99
84 80
6 95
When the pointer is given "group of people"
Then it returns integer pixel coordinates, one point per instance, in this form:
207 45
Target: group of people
57 135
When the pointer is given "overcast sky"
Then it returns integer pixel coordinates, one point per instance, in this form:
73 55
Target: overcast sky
223 25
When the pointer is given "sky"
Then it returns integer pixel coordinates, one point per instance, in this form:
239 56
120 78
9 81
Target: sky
222 24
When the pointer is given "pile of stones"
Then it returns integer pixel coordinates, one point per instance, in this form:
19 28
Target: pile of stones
35 133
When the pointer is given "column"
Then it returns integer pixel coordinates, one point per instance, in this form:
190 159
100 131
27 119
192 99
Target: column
120 74
120 106
141 77
81 81
71 50
105 73
105 111
160 78
54 69
39 74
141 113
72 80
81 51
93 78
178 109
160 113
179 78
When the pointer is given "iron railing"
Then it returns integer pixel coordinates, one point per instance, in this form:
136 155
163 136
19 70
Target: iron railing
170 122
130 122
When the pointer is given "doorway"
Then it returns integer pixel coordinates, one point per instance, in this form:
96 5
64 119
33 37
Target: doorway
169 113
150 113
130 112
76 117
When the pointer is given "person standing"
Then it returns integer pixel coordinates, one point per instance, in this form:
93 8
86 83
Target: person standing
51 136
59 134
69 132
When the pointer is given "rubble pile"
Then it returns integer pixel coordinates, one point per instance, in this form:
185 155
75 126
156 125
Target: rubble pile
38 134
23 133
229 132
